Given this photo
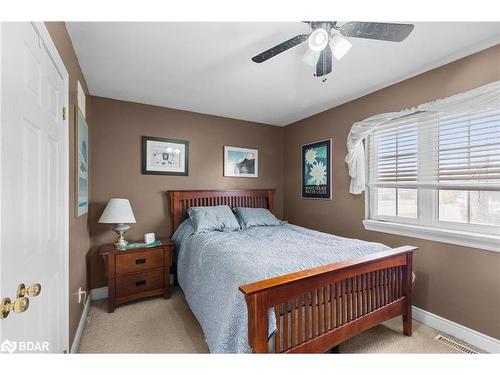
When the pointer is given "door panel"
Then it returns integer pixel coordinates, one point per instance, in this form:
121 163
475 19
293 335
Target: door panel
33 179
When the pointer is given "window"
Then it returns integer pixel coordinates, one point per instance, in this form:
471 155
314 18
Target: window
437 171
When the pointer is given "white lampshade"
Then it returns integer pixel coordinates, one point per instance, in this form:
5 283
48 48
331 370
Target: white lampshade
117 211
311 57
340 46
318 40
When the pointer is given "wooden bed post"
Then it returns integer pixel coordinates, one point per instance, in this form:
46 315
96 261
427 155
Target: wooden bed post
270 195
257 322
175 209
407 292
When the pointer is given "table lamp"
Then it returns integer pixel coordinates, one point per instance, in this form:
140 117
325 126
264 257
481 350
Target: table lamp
118 211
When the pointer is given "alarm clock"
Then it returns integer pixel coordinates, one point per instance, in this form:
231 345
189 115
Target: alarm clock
149 238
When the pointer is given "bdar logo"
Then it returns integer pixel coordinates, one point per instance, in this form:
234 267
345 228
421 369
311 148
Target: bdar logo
8 346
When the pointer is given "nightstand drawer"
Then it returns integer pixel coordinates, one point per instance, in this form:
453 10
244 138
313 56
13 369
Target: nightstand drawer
138 261
140 282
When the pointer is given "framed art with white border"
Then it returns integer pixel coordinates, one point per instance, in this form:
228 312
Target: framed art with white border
241 162
162 156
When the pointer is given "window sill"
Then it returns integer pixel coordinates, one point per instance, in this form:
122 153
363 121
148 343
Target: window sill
469 239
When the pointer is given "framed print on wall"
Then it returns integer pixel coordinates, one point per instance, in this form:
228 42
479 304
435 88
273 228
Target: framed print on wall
82 164
241 162
317 170
164 156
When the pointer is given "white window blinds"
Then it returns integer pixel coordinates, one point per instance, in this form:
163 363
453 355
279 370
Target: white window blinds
469 148
472 107
459 151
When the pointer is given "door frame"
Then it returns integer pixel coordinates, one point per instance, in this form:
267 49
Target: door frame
47 42
51 49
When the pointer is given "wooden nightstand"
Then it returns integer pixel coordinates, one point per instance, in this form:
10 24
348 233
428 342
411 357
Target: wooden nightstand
137 273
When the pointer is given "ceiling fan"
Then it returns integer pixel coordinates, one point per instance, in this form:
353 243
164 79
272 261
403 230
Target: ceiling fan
327 39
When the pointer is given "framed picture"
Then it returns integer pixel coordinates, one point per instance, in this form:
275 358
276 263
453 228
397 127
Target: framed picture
317 170
82 164
165 156
241 162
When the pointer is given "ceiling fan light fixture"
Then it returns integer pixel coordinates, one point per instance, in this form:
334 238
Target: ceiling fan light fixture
318 40
340 46
311 57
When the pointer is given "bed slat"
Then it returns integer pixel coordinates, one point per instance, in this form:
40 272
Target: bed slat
315 313
321 311
301 319
277 335
331 295
308 317
294 322
285 326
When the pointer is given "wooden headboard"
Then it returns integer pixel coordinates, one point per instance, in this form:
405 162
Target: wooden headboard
181 200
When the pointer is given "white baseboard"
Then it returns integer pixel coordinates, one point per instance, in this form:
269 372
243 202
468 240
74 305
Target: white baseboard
99 293
478 339
78 335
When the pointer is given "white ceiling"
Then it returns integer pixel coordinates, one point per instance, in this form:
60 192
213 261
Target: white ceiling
206 67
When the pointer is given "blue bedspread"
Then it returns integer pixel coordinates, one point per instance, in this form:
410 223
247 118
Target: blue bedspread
211 266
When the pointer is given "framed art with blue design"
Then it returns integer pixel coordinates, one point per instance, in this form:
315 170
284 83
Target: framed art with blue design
317 170
82 164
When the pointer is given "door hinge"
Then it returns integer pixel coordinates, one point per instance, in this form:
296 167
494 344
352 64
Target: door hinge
64 113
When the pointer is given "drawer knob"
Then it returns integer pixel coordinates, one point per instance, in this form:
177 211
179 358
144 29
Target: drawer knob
140 261
140 282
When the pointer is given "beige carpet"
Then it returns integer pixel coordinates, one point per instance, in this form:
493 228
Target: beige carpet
168 326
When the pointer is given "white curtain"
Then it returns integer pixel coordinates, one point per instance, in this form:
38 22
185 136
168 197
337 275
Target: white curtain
480 99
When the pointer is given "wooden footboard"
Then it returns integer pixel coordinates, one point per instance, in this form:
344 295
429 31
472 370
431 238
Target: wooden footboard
318 308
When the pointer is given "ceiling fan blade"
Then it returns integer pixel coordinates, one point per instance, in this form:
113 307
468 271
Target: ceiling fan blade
324 65
393 32
282 47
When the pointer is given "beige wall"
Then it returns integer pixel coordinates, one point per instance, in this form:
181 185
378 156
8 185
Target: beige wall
457 283
115 150
78 227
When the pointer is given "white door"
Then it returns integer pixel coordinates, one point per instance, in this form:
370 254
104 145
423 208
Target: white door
33 188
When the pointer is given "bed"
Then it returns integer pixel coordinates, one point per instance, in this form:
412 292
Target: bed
264 290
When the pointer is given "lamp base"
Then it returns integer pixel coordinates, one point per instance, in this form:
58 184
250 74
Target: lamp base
120 229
